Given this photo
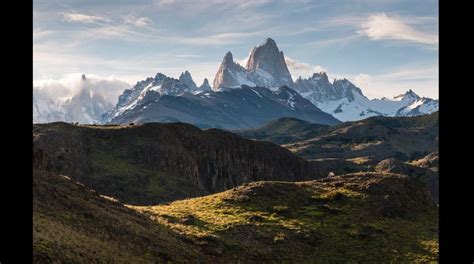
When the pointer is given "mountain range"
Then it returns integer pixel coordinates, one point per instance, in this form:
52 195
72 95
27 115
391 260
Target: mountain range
266 67
229 103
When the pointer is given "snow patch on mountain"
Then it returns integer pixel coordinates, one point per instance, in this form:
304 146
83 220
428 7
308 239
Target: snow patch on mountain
77 99
265 67
346 102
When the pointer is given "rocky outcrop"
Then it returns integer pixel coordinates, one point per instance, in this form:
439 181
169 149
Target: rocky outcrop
186 78
266 67
205 86
269 59
159 162
229 74
428 177
430 161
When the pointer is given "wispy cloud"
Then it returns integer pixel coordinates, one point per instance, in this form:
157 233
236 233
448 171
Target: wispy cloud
188 56
68 85
331 42
137 21
384 27
302 69
76 17
362 80
39 34
422 78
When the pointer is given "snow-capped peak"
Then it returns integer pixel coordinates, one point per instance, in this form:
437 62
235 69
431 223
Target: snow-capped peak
268 58
407 96
265 67
186 78
205 86
228 59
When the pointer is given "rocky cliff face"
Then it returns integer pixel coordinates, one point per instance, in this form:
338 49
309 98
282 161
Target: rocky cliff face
267 58
265 67
187 79
204 86
160 162
230 74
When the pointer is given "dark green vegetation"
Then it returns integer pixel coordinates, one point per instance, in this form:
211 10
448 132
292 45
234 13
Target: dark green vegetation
376 138
284 130
151 163
404 138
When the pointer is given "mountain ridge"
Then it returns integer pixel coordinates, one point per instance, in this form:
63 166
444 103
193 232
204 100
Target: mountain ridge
160 157
266 67
236 108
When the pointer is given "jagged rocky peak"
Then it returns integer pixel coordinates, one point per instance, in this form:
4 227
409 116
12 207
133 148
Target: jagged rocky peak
318 83
319 75
346 88
205 86
269 58
228 59
229 74
186 78
408 95
159 78
266 67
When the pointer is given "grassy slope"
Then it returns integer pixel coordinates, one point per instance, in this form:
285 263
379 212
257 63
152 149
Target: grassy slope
356 218
378 138
284 130
72 224
349 218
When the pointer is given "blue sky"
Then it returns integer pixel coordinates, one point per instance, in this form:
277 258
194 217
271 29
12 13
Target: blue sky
385 46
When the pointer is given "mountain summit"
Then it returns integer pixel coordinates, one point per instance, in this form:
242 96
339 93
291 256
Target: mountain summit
186 78
230 74
265 67
266 58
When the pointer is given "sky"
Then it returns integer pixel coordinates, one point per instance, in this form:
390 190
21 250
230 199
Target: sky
384 46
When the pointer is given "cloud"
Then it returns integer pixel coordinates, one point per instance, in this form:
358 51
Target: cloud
164 2
62 89
422 78
244 4
383 27
137 21
242 62
185 56
302 69
215 39
39 34
362 80
76 17
331 42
